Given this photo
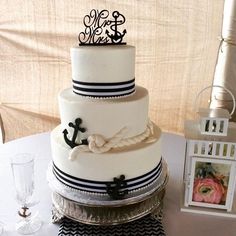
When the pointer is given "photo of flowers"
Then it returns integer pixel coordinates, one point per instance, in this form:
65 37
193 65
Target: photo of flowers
211 182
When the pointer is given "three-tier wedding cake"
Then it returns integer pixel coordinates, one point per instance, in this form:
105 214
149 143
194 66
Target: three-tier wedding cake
105 144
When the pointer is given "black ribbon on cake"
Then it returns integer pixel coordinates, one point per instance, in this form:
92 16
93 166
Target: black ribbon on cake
147 226
102 187
116 89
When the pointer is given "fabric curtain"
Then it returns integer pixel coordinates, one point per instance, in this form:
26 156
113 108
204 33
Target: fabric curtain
225 73
176 49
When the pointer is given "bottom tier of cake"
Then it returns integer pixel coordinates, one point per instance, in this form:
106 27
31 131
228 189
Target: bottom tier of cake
137 165
100 209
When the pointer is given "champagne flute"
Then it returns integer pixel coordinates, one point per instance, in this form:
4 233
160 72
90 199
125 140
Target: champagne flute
23 175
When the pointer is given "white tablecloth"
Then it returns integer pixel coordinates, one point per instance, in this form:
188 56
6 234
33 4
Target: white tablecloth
175 222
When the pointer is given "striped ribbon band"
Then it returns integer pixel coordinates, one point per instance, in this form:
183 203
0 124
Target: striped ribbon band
104 89
101 186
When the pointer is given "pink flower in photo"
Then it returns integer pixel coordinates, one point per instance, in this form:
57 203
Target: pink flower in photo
208 190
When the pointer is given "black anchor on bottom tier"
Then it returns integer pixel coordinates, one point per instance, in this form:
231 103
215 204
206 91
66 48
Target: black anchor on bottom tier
76 126
114 188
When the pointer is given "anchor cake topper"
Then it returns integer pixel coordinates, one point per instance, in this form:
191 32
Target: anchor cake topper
114 188
76 126
101 29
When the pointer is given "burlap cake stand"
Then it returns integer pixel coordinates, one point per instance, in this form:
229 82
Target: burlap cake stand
101 210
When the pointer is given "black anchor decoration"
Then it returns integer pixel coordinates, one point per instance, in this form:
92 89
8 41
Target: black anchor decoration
114 188
98 26
76 126
117 37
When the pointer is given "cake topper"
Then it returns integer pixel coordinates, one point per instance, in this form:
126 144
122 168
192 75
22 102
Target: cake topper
100 29
76 126
114 188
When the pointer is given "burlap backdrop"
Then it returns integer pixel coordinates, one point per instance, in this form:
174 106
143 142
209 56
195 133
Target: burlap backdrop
176 48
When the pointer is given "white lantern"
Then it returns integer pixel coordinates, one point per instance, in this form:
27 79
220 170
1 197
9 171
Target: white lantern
210 162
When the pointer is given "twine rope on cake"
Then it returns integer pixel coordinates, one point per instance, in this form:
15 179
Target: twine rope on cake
98 144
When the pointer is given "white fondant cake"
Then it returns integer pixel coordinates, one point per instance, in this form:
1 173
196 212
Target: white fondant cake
133 161
105 132
105 117
108 70
103 64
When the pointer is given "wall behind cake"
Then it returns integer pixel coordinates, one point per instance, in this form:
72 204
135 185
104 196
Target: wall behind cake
176 48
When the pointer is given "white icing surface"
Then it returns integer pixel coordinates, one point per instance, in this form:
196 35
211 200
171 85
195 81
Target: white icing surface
131 161
105 117
104 64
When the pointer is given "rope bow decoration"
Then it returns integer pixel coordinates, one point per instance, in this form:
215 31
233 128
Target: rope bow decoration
98 144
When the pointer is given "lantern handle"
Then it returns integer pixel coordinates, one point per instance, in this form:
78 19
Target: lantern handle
217 86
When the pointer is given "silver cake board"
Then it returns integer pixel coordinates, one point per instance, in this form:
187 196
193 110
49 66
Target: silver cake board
101 210
107 215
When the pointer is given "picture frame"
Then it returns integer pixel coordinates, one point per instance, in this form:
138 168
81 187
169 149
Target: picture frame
211 183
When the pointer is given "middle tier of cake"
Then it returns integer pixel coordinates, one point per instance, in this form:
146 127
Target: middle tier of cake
105 117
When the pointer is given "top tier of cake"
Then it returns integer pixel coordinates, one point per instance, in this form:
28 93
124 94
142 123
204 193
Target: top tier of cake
103 71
